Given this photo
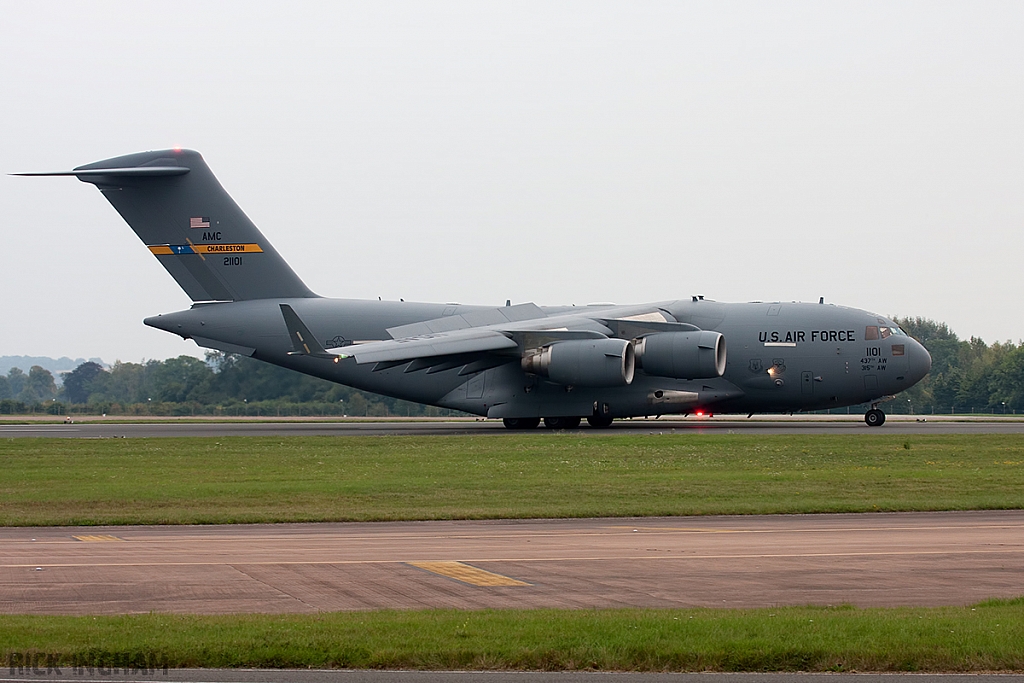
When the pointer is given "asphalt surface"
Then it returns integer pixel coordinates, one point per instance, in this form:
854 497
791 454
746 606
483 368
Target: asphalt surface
944 558
350 676
779 425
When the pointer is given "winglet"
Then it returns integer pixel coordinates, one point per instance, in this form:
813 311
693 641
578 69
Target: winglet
303 341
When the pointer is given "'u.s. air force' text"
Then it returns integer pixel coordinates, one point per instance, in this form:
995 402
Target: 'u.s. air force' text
795 336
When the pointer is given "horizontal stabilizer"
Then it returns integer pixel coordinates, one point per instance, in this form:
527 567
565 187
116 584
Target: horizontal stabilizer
131 172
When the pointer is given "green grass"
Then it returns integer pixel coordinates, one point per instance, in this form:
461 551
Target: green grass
987 637
273 479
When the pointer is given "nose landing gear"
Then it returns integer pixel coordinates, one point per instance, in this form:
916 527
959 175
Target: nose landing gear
874 417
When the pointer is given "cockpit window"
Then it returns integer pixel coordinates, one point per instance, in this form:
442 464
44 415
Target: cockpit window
882 330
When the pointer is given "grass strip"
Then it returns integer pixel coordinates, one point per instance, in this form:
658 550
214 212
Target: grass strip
306 479
986 637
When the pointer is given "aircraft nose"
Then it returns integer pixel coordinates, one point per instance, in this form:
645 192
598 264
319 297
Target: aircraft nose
919 361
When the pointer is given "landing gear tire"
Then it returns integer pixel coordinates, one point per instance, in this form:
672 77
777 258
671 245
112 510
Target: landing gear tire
874 418
599 421
562 422
521 422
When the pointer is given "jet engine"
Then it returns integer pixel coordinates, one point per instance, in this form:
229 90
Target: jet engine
584 362
682 355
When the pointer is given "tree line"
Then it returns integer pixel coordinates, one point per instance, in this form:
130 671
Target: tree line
966 376
222 384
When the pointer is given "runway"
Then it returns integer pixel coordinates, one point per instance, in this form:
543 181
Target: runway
896 425
945 558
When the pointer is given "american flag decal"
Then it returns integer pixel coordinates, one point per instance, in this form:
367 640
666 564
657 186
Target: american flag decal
203 222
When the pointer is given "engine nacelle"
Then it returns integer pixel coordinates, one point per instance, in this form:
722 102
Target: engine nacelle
682 355
584 362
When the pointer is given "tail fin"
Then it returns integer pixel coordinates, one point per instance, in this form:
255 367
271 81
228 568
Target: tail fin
174 203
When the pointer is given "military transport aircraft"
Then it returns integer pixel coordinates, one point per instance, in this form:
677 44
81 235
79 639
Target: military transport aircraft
520 363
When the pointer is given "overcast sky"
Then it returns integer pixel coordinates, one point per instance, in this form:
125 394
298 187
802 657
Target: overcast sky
554 152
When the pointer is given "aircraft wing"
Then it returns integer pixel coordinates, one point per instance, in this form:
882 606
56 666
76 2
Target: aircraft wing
454 341
624 328
451 343
494 317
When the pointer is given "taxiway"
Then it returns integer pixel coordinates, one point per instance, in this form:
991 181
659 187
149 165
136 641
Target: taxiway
942 558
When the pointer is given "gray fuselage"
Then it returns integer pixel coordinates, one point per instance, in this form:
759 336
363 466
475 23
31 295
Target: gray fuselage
782 357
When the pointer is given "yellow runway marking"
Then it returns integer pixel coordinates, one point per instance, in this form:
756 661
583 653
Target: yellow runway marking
98 538
467 574
694 530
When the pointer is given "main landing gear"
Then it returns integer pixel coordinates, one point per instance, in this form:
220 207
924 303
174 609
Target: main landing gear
874 417
525 423
561 422
521 422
